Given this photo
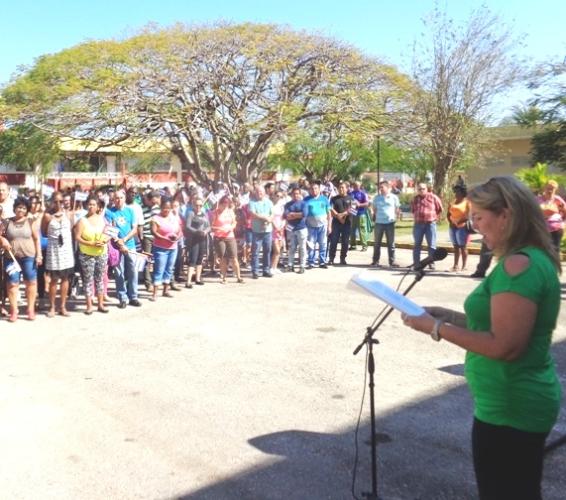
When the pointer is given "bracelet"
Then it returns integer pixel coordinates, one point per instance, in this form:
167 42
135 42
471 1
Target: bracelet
435 333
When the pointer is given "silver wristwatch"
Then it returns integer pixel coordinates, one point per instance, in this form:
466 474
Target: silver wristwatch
435 334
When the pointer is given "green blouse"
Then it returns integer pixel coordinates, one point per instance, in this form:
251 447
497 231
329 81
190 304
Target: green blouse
524 393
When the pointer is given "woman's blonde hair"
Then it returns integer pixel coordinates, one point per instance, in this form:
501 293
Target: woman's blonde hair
526 225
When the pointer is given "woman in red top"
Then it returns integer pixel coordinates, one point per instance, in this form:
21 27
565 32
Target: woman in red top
225 247
166 230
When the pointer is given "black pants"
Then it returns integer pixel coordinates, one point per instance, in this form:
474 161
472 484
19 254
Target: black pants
340 232
508 462
556 237
485 259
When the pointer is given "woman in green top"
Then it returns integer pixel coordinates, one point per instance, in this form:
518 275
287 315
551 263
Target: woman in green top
506 330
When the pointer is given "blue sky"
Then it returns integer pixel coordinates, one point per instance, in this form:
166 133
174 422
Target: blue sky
382 28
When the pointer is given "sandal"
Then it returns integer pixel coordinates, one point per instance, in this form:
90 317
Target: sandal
65 313
152 298
240 280
13 317
102 310
167 294
31 316
50 314
88 312
188 285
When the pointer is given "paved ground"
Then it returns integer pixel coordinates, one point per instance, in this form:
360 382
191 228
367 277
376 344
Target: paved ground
241 391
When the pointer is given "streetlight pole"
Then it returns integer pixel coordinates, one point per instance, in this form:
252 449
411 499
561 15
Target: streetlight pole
378 154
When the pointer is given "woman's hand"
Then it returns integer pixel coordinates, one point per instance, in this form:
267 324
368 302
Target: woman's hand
447 315
441 313
423 323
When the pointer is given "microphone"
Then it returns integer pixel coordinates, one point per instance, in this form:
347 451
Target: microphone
439 254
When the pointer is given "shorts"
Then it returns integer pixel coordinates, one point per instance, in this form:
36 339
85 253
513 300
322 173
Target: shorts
458 236
61 274
29 270
225 247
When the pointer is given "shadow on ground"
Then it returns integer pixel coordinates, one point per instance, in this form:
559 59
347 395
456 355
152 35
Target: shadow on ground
423 453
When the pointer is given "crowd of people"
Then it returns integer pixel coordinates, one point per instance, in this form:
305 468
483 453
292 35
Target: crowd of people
149 237
164 239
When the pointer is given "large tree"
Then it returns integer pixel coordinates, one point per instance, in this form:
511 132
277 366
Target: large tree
29 149
460 70
217 97
546 111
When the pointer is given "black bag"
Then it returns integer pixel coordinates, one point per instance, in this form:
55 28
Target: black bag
470 227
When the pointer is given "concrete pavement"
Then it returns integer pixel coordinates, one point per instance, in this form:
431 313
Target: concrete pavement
242 391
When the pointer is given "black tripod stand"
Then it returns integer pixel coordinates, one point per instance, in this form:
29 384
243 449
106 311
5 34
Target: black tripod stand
370 341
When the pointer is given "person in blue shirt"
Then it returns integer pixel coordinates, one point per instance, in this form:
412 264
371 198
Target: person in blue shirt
125 273
386 210
318 225
261 211
295 214
359 220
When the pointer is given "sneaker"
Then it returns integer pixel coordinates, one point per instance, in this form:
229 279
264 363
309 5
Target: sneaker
394 265
174 287
375 264
343 263
364 249
352 247
255 276
302 270
432 267
310 266
135 303
267 275
289 269
323 266
477 275
122 304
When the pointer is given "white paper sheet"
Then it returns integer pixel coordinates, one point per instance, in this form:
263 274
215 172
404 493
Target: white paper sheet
367 281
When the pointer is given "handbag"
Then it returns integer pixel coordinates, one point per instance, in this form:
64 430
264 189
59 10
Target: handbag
113 255
470 227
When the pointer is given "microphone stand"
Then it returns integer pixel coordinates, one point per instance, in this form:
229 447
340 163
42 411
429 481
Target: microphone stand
370 341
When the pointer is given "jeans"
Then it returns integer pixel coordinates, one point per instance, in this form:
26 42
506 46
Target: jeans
340 233
428 231
163 264
389 231
263 239
126 276
317 235
298 239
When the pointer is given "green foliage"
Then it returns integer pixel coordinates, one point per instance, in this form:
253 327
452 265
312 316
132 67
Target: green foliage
537 177
216 96
547 111
27 148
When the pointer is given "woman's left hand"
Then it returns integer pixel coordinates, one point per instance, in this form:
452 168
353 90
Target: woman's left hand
423 323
